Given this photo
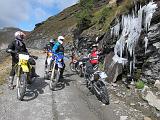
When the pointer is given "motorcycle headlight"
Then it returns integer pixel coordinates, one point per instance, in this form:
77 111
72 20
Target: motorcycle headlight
59 60
49 54
96 77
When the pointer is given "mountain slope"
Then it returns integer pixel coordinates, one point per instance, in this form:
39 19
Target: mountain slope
62 24
6 36
52 27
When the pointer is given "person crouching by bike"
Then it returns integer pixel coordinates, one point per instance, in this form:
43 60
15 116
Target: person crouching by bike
18 46
58 48
48 48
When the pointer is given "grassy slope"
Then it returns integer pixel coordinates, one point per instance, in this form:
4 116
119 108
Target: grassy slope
109 12
59 24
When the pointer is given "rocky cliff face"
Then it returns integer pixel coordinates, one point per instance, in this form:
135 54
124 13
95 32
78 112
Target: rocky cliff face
147 49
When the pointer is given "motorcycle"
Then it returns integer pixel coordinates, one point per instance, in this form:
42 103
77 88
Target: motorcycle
72 65
58 65
23 74
95 81
82 66
49 67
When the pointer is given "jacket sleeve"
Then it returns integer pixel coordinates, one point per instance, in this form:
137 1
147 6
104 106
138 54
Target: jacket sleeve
11 46
55 47
25 48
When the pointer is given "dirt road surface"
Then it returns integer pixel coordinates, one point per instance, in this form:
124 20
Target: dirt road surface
72 101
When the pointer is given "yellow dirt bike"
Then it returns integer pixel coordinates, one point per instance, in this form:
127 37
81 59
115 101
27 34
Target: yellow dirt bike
23 74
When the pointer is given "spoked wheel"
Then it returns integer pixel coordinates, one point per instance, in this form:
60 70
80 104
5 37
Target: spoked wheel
54 79
21 86
46 76
104 95
81 71
72 67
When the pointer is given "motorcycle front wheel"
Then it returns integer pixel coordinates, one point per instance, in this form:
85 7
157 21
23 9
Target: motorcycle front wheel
21 86
72 67
104 95
54 80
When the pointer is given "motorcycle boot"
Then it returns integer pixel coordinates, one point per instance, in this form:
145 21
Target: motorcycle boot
61 72
11 79
33 73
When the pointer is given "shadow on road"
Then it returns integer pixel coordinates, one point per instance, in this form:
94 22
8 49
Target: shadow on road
69 75
64 82
35 89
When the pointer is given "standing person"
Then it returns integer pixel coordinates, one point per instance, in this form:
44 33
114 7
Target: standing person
48 48
18 46
58 48
49 45
94 55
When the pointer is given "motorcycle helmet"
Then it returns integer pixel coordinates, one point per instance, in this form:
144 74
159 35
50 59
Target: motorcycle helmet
19 35
60 39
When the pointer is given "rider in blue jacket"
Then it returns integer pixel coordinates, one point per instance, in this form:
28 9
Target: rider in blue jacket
59 49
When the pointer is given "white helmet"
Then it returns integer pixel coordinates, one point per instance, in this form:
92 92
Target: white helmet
95 45
19 35
60 39
51 41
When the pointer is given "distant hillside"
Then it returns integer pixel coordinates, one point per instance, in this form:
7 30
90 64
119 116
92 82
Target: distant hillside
6 36
62 24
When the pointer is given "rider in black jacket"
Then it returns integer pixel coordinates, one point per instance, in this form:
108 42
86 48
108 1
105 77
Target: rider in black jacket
18 46
48 47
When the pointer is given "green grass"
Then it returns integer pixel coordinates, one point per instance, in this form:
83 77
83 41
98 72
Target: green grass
105 16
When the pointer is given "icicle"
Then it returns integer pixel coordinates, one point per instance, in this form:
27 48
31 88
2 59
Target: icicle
131 62
146 43
149 10
115 30
131 31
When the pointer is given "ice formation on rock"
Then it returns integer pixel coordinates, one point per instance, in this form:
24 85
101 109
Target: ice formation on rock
146 43
131 25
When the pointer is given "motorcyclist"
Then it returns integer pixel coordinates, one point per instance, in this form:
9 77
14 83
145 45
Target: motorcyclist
47 48
50 45
59 49
93 60
94 55
18 46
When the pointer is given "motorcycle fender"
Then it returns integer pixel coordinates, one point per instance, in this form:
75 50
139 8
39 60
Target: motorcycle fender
60 65
25 68
49 60
80 63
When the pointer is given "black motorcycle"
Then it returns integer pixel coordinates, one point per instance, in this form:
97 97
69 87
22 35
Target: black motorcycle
95 81
81 66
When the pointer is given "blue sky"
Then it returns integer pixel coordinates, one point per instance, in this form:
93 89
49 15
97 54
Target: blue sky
24 14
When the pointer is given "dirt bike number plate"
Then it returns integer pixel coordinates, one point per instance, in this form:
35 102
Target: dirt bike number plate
60 65
80 63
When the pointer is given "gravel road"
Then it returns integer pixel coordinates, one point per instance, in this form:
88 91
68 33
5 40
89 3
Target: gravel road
72 101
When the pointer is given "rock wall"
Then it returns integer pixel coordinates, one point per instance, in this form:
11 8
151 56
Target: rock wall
147 59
